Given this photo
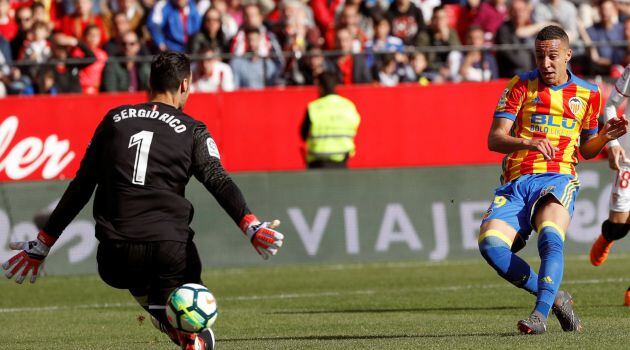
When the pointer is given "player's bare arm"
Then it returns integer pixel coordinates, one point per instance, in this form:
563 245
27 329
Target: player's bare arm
612 130
500 140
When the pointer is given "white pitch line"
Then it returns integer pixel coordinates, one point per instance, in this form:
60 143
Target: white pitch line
304 295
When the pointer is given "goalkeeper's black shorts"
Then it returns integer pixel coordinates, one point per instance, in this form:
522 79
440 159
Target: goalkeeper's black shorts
152 269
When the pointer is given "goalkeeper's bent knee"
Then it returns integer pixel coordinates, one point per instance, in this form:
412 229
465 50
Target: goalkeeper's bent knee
612 231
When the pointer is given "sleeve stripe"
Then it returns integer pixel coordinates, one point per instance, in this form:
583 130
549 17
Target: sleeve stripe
505 115
589 132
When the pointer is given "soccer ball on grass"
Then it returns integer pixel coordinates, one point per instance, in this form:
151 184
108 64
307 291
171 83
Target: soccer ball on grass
191 308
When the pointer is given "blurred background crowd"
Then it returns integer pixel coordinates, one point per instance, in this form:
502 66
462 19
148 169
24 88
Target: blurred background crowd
91 46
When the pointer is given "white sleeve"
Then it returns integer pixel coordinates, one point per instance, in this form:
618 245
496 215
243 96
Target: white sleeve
610 110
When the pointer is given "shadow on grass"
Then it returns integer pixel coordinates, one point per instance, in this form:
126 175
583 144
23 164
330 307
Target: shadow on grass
370 337
419 309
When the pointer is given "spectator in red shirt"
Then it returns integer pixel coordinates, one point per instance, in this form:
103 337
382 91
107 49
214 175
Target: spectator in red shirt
468 14
324 13
351 69
90 76
8 27
66 75
75 24
490 17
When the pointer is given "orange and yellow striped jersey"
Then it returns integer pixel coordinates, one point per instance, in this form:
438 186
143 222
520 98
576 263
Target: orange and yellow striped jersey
559 113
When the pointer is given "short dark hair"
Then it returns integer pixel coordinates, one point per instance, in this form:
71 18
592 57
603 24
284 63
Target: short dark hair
251 29
327 81
89 28
551 33
168 70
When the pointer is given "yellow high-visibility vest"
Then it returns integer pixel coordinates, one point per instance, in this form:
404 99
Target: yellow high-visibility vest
334 124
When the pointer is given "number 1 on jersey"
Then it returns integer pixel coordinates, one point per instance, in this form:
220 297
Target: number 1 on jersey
143 141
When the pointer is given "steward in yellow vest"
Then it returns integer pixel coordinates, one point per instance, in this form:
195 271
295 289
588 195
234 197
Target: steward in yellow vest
329 127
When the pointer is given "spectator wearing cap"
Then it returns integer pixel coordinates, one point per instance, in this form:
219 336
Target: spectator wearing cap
252 70
606 30
172 23
512 62
74 25
212 75
211 33
406 19
129 75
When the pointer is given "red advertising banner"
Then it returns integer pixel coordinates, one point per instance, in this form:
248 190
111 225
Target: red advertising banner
44 138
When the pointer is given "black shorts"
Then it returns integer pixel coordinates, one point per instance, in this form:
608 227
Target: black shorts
152 269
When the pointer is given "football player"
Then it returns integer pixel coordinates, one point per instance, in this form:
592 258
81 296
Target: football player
139 161
542 120
618 223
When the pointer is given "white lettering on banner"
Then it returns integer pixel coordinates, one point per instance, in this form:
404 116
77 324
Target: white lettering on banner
470 214
394 216
311 237
79 236
440 230
351 222
31 153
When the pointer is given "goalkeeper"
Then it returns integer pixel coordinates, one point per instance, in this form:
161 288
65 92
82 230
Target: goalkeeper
618 223
139 161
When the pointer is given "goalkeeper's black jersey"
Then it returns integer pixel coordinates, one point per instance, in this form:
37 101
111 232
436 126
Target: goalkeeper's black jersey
140 160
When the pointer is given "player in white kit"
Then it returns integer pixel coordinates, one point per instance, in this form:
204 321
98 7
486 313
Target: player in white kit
618 223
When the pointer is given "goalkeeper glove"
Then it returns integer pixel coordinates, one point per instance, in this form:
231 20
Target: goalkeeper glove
264 238
30 258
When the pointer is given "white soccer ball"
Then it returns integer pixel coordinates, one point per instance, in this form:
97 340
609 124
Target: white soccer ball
191 308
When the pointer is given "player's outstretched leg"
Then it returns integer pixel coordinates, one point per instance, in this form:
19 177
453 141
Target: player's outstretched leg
495 248
166 329
610 233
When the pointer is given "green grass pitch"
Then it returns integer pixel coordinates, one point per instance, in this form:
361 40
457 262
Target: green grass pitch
408 305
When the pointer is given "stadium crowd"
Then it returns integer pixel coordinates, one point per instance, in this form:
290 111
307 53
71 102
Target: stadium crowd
87 46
